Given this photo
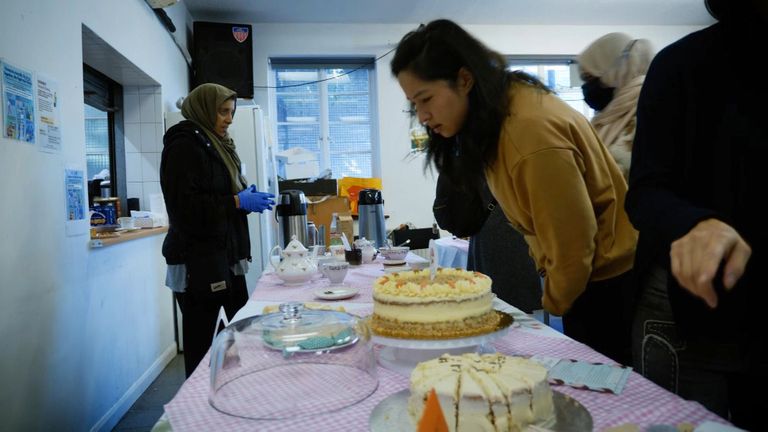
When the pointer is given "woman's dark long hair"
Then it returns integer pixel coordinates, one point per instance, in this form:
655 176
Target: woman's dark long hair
437 51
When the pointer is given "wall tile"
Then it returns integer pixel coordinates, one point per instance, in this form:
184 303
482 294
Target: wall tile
158 108
135 190
149 189
150 166
131 108
148 138
147 108
132 138
160 131
133 167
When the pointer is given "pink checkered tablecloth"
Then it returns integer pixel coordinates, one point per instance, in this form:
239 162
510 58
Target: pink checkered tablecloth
641 402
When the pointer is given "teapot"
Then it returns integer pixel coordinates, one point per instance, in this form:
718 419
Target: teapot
297 265
369 252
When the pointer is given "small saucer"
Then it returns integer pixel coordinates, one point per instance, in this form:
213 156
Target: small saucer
335 292
393 263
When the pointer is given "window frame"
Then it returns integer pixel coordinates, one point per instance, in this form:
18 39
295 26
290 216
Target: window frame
554 59
103 93
322 64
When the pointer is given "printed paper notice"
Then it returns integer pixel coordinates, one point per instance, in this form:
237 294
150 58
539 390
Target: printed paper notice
18 104
48 127
75 194
585 375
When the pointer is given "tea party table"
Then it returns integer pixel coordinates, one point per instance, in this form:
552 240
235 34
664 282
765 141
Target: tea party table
641 402
452 252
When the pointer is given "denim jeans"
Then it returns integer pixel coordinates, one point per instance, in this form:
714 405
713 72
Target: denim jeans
716 374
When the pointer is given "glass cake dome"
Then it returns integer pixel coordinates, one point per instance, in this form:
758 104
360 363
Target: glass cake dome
292 363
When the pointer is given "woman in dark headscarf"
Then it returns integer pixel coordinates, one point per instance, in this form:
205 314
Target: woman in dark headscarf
207 247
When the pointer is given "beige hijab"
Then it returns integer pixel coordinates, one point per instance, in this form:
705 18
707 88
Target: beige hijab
619 62
201 107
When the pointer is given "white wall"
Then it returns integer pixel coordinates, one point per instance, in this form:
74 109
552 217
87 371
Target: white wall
407 190
83 331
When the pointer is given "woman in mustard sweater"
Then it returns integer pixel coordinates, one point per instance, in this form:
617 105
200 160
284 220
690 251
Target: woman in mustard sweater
545 165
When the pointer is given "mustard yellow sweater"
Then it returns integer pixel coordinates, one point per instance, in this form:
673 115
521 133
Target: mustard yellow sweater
559 186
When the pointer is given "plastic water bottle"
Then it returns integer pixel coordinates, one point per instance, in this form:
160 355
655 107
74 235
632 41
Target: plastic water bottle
334 233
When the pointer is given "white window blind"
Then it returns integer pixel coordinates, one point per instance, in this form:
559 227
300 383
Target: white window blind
326 107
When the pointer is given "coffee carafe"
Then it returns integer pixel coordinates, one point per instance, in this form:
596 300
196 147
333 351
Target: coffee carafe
371 216
291 217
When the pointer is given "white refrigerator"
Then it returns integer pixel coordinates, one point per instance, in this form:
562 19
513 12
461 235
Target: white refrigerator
254 146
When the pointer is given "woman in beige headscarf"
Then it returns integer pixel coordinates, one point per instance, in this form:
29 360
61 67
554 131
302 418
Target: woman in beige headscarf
613 70
207 247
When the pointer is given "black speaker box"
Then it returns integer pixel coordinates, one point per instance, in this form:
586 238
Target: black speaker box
223 54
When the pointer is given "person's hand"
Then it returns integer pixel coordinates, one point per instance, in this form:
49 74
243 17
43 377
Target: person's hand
255 201
696 256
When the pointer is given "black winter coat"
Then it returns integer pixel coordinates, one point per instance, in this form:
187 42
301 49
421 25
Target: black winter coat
700 151
198 195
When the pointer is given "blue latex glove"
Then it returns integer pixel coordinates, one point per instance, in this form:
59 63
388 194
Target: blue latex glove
255 201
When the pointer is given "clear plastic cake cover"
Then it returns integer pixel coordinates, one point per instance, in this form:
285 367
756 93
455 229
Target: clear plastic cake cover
292 363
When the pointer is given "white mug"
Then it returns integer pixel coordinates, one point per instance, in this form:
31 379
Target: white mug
335 271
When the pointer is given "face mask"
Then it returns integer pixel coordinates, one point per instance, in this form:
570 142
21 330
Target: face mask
595 95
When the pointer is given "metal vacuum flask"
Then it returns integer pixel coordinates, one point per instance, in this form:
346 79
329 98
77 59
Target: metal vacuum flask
371 216
292 217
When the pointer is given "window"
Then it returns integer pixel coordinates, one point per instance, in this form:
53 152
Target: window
104 145
326 107
559 73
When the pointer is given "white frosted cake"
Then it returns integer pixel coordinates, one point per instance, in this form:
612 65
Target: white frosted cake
490 392
457 303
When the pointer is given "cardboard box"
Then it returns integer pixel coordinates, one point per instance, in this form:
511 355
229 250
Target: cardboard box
297 163
320 210
318 188
347 225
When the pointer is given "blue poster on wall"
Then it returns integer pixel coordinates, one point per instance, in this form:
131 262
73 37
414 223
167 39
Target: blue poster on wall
18 104
75 194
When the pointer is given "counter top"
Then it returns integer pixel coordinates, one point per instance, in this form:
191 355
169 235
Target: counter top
124 236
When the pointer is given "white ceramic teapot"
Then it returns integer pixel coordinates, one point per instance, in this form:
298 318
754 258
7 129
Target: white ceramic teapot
298 264
369 252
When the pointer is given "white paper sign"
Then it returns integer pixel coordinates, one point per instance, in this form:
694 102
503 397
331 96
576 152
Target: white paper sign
48 118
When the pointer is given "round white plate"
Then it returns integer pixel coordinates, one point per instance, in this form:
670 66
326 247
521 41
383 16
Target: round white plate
391 414
335 292
388 262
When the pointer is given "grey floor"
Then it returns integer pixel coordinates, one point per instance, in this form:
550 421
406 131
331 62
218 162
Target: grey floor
147 410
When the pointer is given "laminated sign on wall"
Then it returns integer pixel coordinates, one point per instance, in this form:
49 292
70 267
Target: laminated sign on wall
18 103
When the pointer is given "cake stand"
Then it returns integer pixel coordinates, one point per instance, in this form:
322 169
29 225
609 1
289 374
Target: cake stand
391 415
402 355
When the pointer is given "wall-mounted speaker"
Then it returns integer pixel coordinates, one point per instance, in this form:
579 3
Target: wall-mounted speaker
223 54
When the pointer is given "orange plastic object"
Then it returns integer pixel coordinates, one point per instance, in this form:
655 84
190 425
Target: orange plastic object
432 420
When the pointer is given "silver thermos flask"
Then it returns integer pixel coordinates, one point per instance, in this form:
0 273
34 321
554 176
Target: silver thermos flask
371 216
292 217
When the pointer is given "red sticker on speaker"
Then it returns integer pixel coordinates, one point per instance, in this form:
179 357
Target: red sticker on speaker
240 33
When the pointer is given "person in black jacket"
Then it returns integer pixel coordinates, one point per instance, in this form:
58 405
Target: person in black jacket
696 188
207 247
